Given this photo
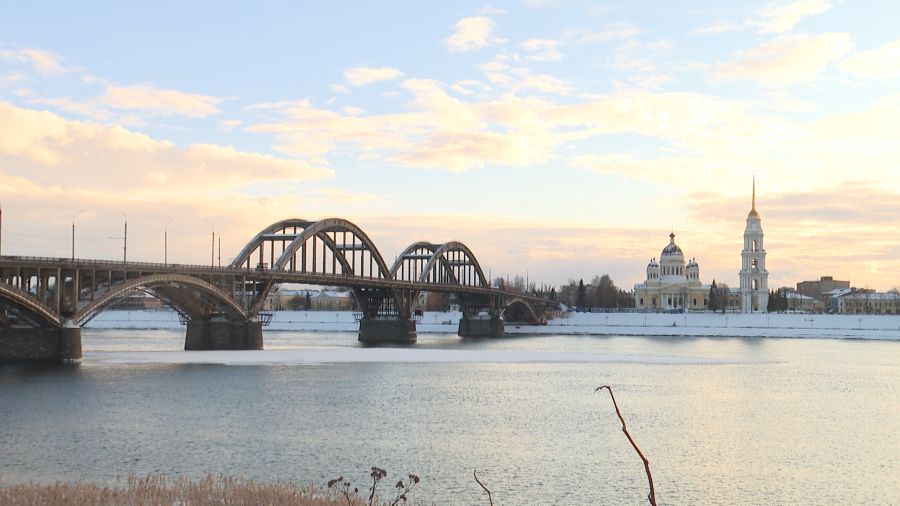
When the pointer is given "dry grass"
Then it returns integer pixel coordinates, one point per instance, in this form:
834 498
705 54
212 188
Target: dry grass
154 490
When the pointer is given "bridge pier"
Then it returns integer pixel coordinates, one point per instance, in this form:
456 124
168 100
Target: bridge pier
376 331
50 344
481 327
222 333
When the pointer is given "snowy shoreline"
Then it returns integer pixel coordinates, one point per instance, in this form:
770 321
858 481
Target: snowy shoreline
883 327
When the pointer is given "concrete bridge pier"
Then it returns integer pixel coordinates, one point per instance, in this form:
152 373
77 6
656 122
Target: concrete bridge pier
375 331
48 344
481 327
222 333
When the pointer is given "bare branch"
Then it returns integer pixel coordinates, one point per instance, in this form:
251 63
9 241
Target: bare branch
652 496
491 501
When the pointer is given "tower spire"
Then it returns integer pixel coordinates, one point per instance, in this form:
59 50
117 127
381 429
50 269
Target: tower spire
753 204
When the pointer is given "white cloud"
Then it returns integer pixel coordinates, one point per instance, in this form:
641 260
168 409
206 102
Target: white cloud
471 33
362 76
542 49
773 18
612 32
776 18
48 149
882 62
160 101
788 60
720 27
42 61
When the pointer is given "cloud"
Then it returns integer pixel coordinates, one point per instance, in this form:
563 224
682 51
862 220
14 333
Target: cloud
471 33
720 27
42 61
48 149
879 63
776 18
787 60
542 49
160 101
346 196
612 32
773 18
363 76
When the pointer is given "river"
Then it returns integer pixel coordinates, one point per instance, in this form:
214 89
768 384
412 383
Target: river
722 420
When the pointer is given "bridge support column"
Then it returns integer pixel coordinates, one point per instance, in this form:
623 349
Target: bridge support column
481 327
222 333
62 345
376 331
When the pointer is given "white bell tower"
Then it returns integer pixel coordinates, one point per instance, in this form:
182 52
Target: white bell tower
754 276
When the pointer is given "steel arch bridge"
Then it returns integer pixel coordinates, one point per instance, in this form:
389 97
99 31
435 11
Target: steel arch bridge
222 305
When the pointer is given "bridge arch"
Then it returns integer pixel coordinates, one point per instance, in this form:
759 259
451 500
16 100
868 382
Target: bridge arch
457 265
516 308
40 312
333 248
275 232
168 287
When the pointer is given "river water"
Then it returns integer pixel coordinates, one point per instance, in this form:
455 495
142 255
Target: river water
722 421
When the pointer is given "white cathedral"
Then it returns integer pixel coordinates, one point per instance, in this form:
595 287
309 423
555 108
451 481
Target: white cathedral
672 284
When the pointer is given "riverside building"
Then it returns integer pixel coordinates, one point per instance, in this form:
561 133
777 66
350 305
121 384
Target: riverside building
672 283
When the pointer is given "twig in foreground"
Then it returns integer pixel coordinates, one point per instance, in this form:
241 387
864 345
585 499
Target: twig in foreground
652 496
491 501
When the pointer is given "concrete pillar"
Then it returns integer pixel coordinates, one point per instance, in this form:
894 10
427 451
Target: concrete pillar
481 327
375 331
221 333
70 343
26 344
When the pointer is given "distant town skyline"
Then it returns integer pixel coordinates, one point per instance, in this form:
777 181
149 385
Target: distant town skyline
564 139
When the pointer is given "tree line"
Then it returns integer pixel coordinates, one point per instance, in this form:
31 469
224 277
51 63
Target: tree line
601 292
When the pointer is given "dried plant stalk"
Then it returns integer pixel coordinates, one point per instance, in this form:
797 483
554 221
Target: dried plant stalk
491 501
652 496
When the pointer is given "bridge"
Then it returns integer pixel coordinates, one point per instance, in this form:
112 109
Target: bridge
44 302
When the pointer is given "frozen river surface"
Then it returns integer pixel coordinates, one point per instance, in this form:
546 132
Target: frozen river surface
722 420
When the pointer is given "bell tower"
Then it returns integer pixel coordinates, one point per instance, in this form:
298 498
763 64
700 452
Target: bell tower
754 276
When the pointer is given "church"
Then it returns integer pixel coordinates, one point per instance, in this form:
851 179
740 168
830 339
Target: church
671 283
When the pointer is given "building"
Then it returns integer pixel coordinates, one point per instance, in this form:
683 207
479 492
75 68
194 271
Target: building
868 302
802 303
822 288
754 276
671 283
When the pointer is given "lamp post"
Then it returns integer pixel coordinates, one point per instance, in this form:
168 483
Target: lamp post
166 242
124 237
220 245
73 232
212 247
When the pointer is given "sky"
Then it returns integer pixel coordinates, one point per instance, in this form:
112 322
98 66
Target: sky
558 139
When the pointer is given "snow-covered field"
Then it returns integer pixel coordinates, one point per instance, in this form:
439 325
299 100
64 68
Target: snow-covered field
656 324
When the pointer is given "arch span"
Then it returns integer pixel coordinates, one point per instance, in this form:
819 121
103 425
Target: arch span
458 259
31 305
269 234
167 281
516 307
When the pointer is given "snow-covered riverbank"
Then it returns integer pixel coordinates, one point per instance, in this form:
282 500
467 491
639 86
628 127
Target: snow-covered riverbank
655 324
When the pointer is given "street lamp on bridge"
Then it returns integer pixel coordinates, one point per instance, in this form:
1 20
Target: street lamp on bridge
220 245
166 242
212 248
74 216
124 237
